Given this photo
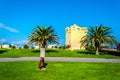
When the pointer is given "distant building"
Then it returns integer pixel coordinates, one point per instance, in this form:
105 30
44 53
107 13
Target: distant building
118 46
73 36
5 46
104 47
52 46
36 47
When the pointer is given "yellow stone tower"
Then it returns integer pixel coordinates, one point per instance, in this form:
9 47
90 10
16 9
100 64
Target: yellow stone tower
73 36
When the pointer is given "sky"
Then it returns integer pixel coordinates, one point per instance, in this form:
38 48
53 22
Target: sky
19 17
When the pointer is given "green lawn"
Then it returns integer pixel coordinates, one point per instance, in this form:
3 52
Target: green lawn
52 53
59 71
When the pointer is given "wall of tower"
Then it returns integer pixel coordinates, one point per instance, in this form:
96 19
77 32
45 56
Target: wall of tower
68 36
73 36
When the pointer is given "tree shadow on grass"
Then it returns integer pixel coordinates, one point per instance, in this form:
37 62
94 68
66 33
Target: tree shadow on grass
47 51
51 51
35 51
115 53
3 51
86 52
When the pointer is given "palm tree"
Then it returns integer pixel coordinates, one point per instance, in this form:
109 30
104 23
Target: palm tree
42 36
97 36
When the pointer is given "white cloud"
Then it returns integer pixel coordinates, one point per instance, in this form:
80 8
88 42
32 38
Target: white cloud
8 28
1 25
11 29
21 42
2 40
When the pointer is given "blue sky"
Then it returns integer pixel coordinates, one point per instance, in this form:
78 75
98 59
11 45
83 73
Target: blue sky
19 17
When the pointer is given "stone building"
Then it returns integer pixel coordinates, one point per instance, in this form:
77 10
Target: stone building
73 37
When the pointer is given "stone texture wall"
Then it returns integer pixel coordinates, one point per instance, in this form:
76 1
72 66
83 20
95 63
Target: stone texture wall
73 36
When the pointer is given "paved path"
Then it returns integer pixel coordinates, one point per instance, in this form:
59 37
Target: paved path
62 59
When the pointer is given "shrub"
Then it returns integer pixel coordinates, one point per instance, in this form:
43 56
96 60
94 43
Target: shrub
13 47
25 46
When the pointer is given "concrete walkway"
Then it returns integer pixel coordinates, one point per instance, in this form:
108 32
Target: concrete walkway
62 59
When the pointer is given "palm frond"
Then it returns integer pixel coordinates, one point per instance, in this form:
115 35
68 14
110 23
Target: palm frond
99 35
43 35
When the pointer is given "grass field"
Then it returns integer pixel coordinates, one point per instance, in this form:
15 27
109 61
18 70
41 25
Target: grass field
59 71
52 53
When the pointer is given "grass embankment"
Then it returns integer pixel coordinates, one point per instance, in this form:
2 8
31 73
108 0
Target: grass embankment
59 71
52 53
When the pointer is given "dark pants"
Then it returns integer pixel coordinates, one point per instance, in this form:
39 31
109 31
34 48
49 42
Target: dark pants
41 63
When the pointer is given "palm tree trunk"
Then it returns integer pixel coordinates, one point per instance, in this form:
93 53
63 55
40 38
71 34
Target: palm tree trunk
97 51
42 56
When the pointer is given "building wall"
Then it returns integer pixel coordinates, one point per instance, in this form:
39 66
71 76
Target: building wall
52 46
73 36
4 46
118 46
